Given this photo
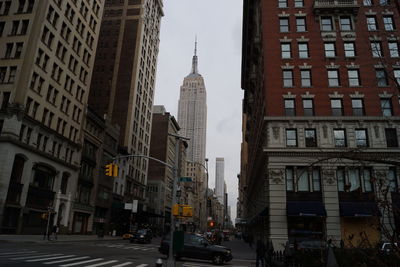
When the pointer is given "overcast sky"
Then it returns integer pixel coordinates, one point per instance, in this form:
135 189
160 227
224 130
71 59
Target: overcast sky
218 26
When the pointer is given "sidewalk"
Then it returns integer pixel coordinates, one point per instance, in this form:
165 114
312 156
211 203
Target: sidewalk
240 249
60 238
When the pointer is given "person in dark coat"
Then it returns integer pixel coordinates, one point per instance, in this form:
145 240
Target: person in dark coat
260 254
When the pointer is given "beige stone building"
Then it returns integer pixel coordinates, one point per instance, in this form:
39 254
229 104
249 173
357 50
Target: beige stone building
47 53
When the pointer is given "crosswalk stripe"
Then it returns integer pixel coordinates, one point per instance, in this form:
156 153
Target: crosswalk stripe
101 263
81 262
37 256
187 264
145 249
16 253
116 246
51 258
122 264
142 265
67 260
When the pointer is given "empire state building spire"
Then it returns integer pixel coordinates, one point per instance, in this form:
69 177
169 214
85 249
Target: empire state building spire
195 60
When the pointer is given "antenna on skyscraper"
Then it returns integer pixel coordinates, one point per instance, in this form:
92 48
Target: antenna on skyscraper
195 45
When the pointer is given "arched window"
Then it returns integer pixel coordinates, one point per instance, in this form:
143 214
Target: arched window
17 169
43 176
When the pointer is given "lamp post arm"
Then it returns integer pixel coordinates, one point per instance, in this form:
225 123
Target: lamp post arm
144 156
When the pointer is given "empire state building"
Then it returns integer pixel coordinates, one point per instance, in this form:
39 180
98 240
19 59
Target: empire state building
192 112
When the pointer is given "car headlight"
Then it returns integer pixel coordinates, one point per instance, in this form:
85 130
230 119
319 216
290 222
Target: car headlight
141 236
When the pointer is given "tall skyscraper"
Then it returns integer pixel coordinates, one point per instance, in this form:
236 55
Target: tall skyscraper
192 112
220 187
47 50
333 88
123 83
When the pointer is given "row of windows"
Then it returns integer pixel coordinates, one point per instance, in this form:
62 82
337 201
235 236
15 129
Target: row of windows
32 107
307 179
43 143
357 105
330 49
346 23
300 3
334 80
340 138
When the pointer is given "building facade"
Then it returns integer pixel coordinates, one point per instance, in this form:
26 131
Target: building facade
92 207
220 179
47 50
123 86
160 176
321 120
192 112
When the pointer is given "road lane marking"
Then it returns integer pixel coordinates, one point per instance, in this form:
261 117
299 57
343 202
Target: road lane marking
67 260
37 256
51 258
81 262
123 264
15 253
101 263
142 265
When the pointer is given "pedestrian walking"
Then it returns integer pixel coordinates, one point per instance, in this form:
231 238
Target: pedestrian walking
260 254
55 231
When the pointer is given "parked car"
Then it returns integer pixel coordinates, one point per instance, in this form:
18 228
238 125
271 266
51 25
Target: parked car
142 236
387 247
197 247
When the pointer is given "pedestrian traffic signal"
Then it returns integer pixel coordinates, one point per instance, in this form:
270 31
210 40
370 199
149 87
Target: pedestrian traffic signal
112 170
211 224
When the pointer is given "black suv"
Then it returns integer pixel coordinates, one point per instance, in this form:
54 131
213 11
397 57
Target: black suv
197 247
142 236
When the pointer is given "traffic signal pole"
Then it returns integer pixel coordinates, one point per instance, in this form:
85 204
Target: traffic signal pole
175 167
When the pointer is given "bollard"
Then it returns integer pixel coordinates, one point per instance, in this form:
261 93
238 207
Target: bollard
159 263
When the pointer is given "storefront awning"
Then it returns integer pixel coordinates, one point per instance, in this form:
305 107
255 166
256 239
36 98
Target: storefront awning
305 208
359 209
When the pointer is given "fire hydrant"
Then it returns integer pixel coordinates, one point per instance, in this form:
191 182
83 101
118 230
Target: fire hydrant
159 263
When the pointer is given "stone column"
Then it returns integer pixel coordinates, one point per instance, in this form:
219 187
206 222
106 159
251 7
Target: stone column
6 162
68 212
57 207
27 176
331 201
277 207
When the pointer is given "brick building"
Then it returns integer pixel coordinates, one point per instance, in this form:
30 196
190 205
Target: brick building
320 110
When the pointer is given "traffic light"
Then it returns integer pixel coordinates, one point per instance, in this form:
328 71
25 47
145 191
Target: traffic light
182 210
211 224
175 210
112 170
187 211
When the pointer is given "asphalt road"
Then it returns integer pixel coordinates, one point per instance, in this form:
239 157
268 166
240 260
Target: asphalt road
117 253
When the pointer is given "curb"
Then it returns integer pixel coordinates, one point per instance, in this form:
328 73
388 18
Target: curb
55 241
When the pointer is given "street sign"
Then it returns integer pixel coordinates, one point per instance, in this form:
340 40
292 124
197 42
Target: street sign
135 206
185 179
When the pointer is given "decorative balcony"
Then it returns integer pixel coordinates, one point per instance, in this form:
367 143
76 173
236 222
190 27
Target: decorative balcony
336 6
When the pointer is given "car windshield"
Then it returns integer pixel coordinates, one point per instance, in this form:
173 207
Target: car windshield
142 231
